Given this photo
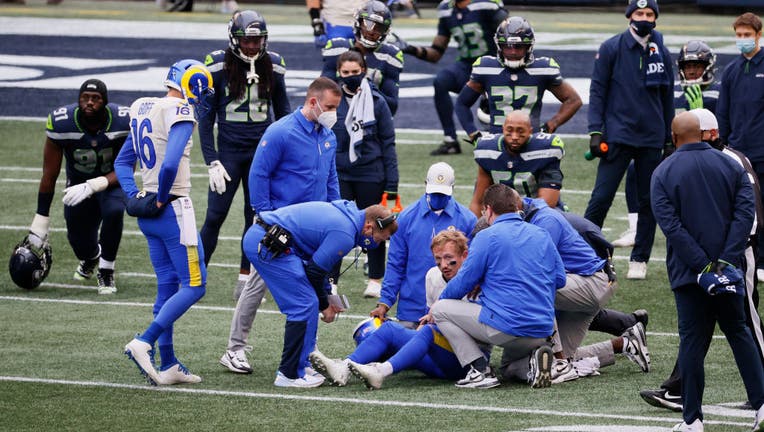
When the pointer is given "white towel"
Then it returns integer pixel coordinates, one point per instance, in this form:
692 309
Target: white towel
360 115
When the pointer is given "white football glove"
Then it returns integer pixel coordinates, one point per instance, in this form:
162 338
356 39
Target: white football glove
218 177
74 195
38 231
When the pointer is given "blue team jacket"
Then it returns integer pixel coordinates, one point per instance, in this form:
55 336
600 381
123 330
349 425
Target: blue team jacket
519 270
740 109
703 202
409 257
294 163
621 107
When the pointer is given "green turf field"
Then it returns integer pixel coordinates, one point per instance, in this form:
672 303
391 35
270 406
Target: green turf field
61 362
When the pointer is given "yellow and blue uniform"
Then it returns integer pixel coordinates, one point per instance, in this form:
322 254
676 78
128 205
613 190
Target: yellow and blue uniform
160 142
241 124
536 166
89 156
383 67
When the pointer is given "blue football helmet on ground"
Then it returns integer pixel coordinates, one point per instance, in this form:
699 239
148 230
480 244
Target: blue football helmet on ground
375 19
365 328
247 23
515 31
29 265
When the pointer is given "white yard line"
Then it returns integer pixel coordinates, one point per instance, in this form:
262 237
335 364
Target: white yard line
385 403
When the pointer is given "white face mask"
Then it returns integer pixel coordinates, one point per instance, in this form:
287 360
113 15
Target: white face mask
326 119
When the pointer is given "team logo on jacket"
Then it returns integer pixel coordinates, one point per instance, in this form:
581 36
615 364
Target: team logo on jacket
327 145
510 164
451 228
263 143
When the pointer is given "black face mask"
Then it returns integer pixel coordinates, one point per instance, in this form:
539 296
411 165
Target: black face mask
642 28
717 144
352 82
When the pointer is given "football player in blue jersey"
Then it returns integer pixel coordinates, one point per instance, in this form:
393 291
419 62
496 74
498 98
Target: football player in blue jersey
160 141
525 161
697 89
384 62
516 80
249 93
472 24
88 134
397 348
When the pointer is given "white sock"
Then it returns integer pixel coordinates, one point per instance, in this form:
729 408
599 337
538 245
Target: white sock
243 277
108 265
386 368
633 221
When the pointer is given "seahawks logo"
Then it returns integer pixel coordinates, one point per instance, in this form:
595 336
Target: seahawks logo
641 3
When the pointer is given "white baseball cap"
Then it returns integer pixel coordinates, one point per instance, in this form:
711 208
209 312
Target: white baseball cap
706 118
440 179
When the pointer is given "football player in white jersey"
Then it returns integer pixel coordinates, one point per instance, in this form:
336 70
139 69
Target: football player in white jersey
160 140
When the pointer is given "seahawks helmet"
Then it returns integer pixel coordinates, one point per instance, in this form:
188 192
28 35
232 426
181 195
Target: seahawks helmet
374 16
194 80
515 31
697 51
365 328
29 265
247 23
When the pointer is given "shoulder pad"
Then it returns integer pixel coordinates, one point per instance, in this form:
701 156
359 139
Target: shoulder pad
393 59
279 64
62 119
445 4
336 46
120 116
214 57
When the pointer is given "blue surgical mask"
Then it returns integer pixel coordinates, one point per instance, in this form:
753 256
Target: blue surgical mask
438 201
352 82
642 28
746 45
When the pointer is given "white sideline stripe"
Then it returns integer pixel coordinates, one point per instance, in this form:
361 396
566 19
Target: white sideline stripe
197 307
459 407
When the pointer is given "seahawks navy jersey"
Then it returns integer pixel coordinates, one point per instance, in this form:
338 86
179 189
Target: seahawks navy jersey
87 155
383 66
515 89
241 122
710 96
537 166
472 27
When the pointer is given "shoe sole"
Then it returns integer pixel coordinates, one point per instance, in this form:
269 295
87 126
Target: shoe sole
661 403
228 365
145 374
484 384
360 376
321 368
81 277
641 338
544 370
107 291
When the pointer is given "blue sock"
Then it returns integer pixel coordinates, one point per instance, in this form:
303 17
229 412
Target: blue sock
177 305
167 354
152 333
411 353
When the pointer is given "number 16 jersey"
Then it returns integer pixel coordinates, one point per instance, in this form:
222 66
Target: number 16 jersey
150 121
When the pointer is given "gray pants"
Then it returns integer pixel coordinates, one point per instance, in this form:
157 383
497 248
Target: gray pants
246 309
458 321
575 306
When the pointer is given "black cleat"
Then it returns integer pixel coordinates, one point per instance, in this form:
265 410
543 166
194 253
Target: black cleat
662 398
447 148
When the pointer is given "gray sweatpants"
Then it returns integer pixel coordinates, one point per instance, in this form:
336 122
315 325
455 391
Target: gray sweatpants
458 321
246 309
575 306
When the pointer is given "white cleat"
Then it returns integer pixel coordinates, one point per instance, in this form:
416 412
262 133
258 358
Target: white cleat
627 239
562 371
139 352
236 361
696 426
178 374
373 289
336 371
370 374
637 270
635 347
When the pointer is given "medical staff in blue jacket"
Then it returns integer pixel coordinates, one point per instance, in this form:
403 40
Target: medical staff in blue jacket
410 257
519 271
294 163
707 221
315 236
631 104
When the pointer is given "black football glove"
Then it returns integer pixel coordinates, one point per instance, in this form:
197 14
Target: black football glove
595 149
